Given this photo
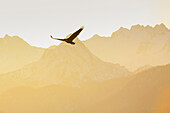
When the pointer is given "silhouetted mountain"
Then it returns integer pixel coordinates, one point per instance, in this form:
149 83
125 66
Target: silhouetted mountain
135 47
141 69
142 94
148 92
15 53
65 64
70 79
58 98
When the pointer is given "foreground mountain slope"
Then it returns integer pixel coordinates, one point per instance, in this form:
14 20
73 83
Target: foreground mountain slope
148 92
58 98
64 64
135 47
15 53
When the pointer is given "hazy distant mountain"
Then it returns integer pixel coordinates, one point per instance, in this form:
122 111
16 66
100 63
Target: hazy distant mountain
58 98
147 92
70 79
66 64
134 48
141 69
15 53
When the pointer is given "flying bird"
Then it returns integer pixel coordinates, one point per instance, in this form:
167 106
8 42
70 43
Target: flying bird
71 38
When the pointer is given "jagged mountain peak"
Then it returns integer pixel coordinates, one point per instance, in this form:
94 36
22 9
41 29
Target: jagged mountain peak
120 31
95 36
15 53
122 28
144 45
161 27
72 54
13 40
137 27
6 37
67 49
67 64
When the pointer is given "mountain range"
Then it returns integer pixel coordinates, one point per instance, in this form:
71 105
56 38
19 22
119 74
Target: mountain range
64 64
145 92
89 77
133 48
15 53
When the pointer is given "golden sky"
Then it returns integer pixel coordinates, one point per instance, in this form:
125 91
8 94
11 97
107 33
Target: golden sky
35 20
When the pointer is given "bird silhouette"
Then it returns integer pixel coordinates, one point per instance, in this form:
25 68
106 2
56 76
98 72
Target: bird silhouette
71 38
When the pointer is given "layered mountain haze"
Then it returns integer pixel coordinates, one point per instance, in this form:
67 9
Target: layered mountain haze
64 64
135 47
59 98
78 60
144 93
89 77
15 53
148 92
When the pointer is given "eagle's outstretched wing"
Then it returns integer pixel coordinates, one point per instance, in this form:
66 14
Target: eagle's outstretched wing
75 34
57 38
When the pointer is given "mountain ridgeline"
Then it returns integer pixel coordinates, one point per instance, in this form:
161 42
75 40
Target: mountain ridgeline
133 48
89 77
146 92
15 53
64 64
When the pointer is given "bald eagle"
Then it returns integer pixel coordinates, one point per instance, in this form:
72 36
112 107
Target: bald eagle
71 38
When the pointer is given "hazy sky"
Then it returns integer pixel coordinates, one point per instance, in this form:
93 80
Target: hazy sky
35 20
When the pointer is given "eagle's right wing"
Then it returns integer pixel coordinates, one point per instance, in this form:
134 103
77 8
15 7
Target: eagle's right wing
75 34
